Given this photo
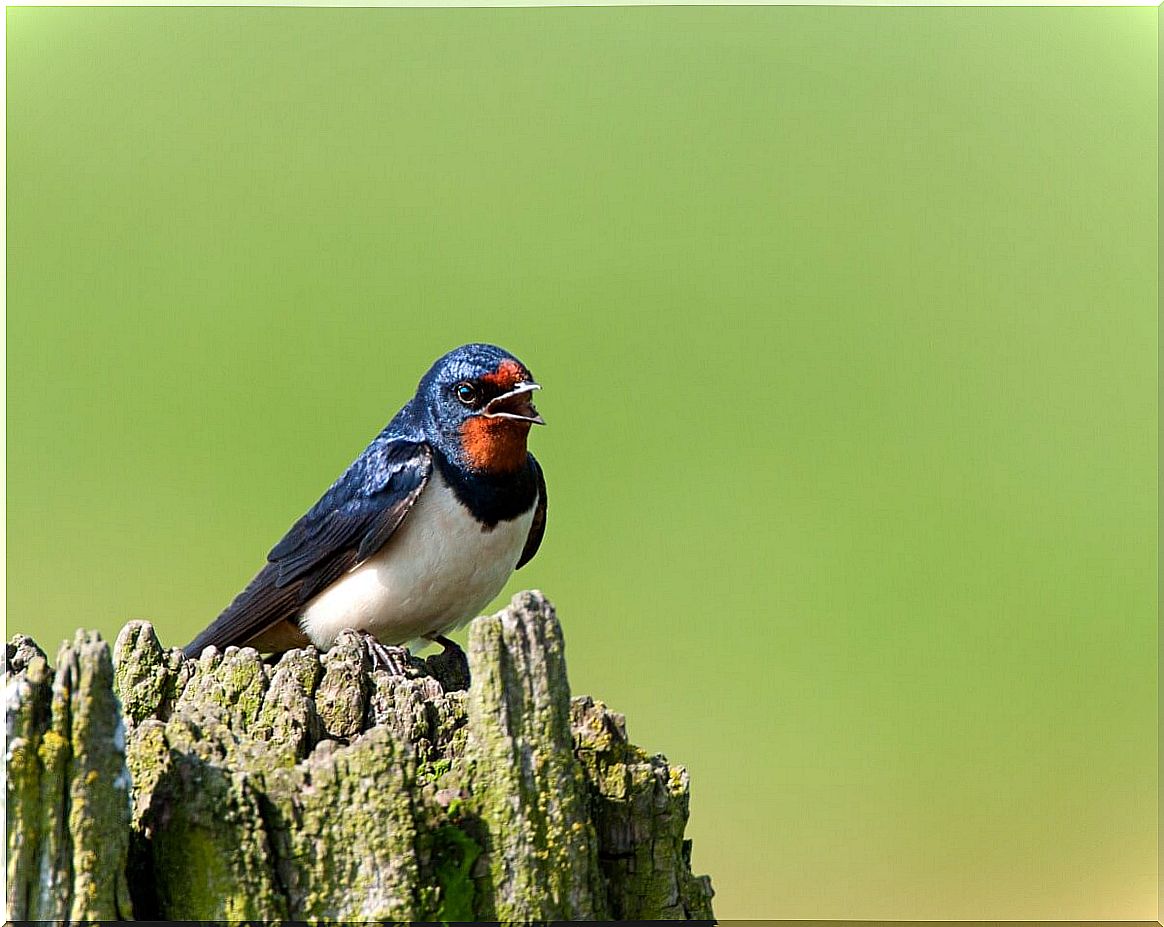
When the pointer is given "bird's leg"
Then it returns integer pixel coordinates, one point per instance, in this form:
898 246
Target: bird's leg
450 646
450 666
396 661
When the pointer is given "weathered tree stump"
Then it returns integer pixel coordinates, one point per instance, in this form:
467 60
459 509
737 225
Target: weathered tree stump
228 788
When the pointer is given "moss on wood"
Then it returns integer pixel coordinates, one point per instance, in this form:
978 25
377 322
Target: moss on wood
233 788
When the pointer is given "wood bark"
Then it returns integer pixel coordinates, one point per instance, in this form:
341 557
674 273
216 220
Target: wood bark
141 783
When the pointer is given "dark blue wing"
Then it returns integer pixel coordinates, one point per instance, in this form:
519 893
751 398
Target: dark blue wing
350 523
537 528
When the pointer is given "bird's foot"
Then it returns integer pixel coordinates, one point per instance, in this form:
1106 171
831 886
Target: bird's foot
450 666
395 661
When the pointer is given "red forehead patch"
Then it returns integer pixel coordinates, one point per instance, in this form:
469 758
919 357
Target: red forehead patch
507 376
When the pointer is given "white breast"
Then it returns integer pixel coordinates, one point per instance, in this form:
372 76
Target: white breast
437 571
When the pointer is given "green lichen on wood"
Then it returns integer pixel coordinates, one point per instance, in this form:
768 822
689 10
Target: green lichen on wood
99 783
453 854
28 690
209 855
315 788
344 830
639 806
288 719
342 697
526 783
68 787
147 678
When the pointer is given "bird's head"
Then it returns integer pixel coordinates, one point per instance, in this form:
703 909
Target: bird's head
477 404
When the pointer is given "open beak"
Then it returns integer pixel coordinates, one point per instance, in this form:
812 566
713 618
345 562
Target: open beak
517 404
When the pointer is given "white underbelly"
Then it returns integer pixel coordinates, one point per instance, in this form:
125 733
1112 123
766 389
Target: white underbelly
436 572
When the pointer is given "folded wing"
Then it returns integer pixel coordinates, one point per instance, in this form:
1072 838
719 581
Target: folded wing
538 528
353 520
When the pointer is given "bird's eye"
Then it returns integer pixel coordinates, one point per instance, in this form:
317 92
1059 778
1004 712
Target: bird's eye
466 393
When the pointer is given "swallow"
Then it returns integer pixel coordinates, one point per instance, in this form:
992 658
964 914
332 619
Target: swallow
420 532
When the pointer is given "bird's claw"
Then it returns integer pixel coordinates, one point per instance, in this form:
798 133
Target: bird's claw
395 661
450 667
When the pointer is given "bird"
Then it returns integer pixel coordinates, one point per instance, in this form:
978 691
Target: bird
419 533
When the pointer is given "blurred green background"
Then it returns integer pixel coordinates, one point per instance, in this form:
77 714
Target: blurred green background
847 321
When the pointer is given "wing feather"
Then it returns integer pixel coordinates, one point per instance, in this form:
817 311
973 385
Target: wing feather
353 520
537 528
